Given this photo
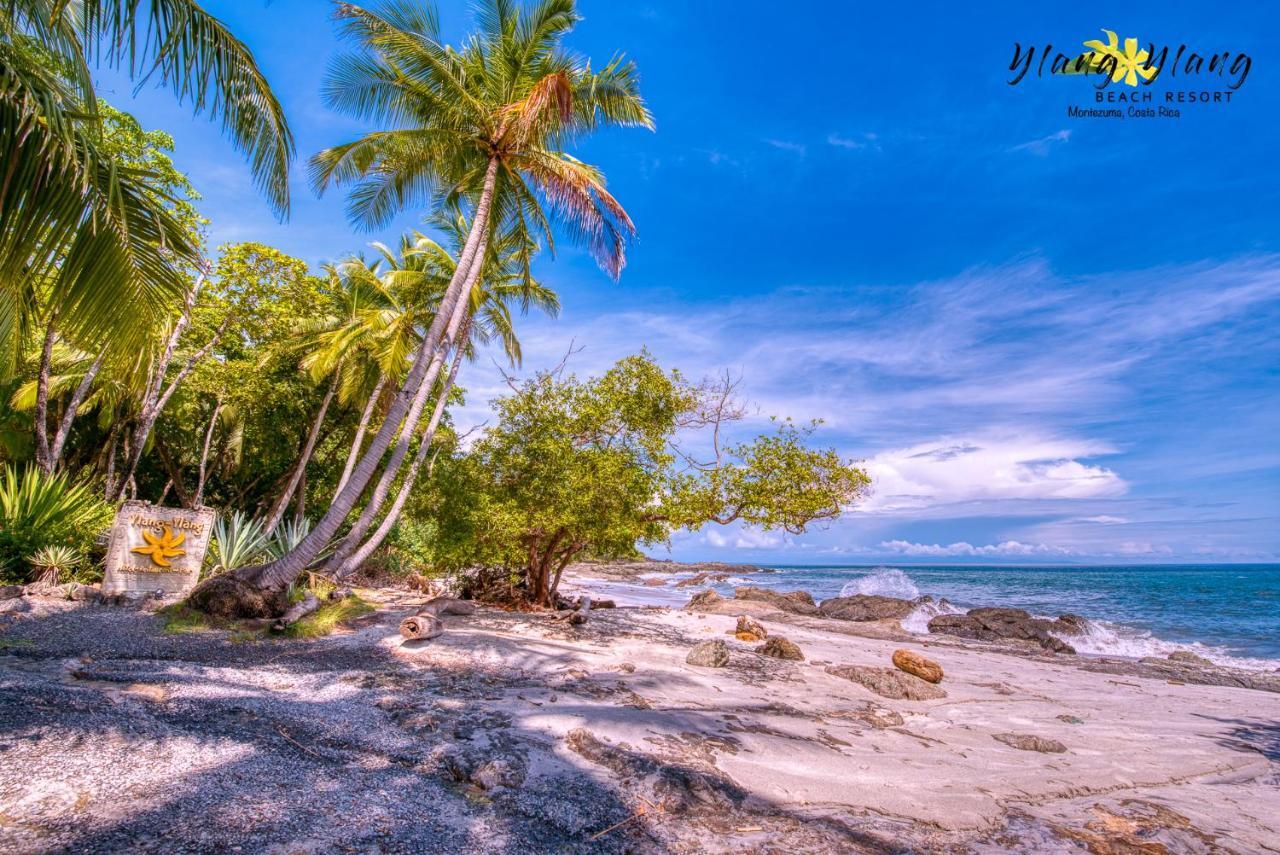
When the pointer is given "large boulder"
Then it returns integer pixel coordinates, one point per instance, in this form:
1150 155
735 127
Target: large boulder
795 602
997 624
781 648
709 654
703 601
915 664
9 592
888 682
864 607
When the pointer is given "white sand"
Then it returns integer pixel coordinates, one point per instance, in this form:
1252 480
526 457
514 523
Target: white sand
1201 760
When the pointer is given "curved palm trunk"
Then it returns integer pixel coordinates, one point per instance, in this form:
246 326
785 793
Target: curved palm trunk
69 416
401 450
375 540
282 501
365 417
284 570
43 460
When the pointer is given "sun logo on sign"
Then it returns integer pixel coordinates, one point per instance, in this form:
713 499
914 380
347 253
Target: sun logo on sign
162 547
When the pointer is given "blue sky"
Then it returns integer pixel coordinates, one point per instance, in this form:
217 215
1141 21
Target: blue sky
1050 338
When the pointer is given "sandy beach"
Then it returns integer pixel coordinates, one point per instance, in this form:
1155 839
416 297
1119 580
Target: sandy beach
516 733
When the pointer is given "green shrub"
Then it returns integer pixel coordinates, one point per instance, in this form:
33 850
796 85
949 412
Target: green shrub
38 510
238 541
53 564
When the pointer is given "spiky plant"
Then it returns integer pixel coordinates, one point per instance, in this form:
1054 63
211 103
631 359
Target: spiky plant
50 564
238 541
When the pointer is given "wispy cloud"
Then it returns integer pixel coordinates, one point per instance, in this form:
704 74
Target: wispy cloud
855 143
1009 548
1043 145
798 149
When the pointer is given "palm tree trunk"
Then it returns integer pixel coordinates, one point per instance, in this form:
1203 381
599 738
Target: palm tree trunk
383 487
69 417
198 501
43 459
360 431
284 570
375 540
282 501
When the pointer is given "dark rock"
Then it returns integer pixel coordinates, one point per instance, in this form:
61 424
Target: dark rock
1030 742
781 648
701 579
795 602
918 666
1070 719
709 654
8 592
85 593
703 600
864 607
750 630
1186 657
996 624
888 682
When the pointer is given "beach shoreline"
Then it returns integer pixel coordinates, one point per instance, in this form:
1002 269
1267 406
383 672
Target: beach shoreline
521 730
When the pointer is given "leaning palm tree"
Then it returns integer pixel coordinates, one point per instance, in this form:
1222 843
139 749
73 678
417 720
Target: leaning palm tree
504 279
486 122
70 214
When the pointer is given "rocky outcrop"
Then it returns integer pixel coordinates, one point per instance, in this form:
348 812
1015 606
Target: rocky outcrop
918 666
1186 657
888 682
703 600
795 602
701 579
709 654
750 630
1030 742
9 592
998 624
864 607
778 647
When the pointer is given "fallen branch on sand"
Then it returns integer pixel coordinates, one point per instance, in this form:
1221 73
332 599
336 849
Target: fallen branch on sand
426 622
297 612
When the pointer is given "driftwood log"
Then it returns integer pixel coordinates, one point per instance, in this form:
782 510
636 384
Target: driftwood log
297 612
577 615
427 624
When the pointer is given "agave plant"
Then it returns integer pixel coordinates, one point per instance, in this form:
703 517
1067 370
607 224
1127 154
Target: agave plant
238 541
38 510
287 535
51 563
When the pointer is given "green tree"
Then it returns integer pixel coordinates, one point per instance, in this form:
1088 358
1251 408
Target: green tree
599 465
485 122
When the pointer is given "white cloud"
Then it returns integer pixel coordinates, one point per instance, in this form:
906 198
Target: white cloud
746 538
1005 548
795 148
854 143
987 468
1103 519
1043 145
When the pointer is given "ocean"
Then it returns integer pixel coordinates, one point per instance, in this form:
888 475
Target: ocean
1227 613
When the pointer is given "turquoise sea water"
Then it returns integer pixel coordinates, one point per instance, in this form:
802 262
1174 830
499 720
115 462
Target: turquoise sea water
1230 613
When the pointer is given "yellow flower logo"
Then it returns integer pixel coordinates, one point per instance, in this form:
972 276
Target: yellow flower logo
1125 65
162 547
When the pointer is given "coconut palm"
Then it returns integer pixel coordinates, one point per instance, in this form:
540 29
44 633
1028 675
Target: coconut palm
504 279
73 217
485 122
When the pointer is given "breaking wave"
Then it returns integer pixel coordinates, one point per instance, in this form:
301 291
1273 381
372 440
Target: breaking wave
1105 639
883 582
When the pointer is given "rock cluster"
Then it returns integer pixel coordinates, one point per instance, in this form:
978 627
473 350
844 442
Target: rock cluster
996 624
703 600
795 602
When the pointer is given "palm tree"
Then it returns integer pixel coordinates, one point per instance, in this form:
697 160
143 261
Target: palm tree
368 333
69 213
485 122
504 279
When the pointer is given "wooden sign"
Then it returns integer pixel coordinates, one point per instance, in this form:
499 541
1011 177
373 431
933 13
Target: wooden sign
156 549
